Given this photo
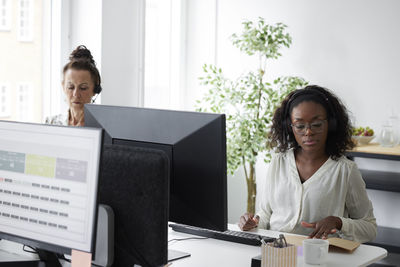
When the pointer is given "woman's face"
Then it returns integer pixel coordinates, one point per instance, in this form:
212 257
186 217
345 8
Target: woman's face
310 126
78 86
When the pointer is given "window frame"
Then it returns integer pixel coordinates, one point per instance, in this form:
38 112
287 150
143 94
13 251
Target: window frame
25 21
28 106
57 42
7 9
5 104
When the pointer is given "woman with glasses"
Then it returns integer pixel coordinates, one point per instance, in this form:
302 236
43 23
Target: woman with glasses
311 187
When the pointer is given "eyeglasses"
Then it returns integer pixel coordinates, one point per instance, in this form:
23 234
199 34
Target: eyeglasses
315 127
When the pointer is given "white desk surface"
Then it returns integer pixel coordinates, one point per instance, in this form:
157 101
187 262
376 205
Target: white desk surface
212 252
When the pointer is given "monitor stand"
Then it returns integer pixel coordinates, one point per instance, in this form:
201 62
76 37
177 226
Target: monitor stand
50 259
104 245
176 255
23 263
46 259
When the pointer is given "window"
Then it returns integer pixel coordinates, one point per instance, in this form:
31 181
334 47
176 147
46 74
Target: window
28 62
5 15
4 100
25 20
164 54
24 102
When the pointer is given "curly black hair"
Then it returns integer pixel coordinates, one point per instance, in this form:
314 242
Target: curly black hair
339 139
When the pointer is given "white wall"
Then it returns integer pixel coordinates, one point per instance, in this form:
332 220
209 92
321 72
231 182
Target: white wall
122 52
85 26
201 44
78 27
350 47
114 33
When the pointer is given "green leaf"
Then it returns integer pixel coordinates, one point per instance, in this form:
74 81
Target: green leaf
249 101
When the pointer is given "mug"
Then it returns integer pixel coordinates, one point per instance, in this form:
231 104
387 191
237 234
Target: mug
315 251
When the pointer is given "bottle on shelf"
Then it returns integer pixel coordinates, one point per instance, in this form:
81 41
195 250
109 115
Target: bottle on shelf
388 136
394 121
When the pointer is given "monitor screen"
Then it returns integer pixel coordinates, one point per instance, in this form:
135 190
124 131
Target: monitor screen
195 144
48 185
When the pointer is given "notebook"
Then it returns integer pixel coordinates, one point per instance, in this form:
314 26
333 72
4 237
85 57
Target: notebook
334 242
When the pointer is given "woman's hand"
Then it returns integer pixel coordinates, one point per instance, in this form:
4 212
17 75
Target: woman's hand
324 227
248 221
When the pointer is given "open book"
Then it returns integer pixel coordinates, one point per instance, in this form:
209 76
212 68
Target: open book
346 245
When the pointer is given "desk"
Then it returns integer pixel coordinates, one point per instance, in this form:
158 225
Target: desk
218 253
212 252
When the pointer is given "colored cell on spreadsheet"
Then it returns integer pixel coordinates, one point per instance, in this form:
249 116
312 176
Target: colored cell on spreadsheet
40 165
12 161
73 170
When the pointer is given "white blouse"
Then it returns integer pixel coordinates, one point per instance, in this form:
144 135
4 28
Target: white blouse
335 189
60 119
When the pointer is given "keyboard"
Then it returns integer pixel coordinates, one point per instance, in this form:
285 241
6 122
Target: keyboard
231 236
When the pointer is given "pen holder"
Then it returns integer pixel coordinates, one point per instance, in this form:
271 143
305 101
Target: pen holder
278 257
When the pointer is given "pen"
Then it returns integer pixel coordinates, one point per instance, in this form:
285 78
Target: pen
262 240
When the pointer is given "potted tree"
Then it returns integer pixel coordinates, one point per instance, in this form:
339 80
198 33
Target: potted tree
249 101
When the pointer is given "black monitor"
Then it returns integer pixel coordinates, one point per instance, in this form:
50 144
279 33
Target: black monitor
195 144
48 188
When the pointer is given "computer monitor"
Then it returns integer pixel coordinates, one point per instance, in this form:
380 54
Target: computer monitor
48 185
195 144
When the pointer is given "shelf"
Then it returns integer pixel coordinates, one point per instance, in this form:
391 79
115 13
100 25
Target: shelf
375 151
387 238
379 180
352 154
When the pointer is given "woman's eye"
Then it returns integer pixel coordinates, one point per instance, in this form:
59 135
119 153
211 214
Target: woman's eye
300 126
84 88
71 88
317 125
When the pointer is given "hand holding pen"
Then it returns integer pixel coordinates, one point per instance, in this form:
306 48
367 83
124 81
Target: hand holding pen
248 221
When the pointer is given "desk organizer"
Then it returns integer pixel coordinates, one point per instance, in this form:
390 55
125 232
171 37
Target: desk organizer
278 257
